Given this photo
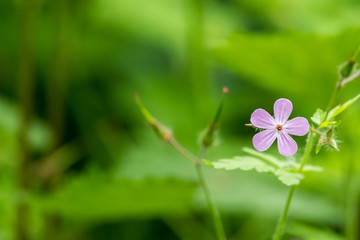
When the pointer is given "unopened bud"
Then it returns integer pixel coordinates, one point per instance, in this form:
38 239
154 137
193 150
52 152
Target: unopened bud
163 132
332 143
347 68
208 137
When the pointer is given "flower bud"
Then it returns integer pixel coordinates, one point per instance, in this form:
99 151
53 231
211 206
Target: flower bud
347 68
163 132
208 136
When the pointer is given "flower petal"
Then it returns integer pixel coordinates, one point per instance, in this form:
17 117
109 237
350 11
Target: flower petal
262 119
282 110
263 140
298 126
286 145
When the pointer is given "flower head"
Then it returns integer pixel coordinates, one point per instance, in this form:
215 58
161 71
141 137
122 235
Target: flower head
278 128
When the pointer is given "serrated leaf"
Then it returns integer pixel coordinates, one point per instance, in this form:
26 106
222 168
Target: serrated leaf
289 178
319 116
340 108
267 157
285 171
245 163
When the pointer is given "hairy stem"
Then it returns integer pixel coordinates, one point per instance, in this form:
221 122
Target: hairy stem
282 220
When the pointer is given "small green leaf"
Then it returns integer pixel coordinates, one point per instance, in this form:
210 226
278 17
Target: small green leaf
319 116
327 123
340 108
208 162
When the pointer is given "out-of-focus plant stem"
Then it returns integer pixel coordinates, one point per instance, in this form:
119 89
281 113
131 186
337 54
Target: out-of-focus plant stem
220 233
210 200
197 66
56 84
282 220
26 95
166 135
339 86
344 78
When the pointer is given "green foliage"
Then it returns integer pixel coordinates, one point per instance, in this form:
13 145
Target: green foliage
88 57
326 124
340 108
285 171
307 232
319 116
285 63
98 200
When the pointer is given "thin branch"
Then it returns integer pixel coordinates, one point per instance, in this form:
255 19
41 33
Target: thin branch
347 80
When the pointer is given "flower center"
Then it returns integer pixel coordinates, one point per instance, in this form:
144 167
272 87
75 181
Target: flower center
279 127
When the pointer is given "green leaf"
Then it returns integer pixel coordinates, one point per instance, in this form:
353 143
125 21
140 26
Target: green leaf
309 232
319 116
288 178
208 162
312 168
285 171
245 163
265 156
327 123
340 108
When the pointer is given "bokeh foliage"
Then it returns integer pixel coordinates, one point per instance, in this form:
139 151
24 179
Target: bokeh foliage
98 172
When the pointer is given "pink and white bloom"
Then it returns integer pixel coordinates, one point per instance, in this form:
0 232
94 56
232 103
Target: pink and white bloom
278 128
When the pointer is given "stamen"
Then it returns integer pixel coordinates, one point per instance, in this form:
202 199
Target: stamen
279 127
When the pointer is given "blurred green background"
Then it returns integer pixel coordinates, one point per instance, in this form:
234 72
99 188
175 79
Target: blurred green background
78 162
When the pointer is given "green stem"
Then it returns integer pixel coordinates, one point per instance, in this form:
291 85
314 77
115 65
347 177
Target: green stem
211 203
178 147
282 220
26 96
307 152
334 97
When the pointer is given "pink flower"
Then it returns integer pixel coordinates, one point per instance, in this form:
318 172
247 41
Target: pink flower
279 128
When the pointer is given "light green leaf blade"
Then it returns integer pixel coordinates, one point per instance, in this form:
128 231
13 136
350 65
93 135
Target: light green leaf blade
270 158
340 108
289 178
312 168
319 116
309 232
245 163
